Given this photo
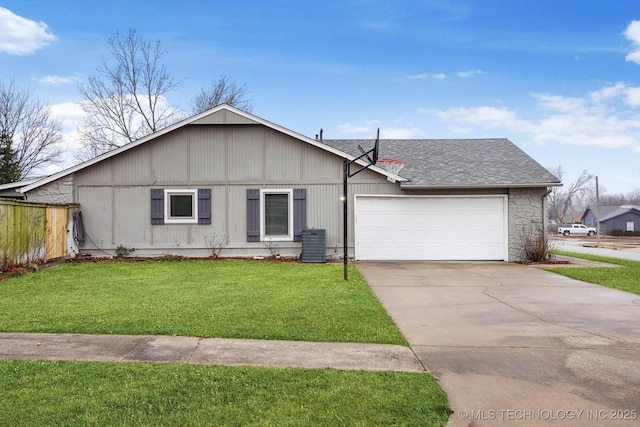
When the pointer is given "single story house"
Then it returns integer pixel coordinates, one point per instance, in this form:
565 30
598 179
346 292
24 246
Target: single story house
250 187
624 218
10 190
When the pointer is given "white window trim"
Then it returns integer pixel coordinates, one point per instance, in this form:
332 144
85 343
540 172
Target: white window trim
168 192
263 236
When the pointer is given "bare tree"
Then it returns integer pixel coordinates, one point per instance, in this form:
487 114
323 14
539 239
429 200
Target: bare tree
28 129
224 91
126 99
619 199
560 200
588 198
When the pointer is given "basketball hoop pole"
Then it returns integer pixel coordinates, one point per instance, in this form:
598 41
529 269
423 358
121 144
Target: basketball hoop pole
345 216
372 157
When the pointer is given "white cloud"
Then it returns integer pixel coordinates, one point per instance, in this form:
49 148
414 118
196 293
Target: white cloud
70 113
633 34
424 76
21 36
367 126
607 93
605 118
467 74
442 76
485 116
401 133
53 80
560 104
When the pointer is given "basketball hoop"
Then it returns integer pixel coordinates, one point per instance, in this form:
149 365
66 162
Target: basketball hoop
393 166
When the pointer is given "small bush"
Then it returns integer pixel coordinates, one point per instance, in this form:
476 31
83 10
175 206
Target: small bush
122 251
628 233
636 233
617 232
537 246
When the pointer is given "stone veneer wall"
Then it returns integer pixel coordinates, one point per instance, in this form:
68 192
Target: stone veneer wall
58 191
527 212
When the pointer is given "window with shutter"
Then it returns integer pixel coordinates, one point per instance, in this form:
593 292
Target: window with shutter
276 214
180 206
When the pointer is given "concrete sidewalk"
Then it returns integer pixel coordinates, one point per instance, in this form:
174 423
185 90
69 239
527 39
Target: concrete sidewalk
209 351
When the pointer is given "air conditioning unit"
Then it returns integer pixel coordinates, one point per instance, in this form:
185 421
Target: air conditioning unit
314 245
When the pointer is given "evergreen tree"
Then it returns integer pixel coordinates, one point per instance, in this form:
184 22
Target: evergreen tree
9 167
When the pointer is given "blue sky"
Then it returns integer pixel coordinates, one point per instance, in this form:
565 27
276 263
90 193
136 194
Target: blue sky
561 79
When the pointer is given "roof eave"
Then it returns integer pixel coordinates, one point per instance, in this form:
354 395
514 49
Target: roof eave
477 186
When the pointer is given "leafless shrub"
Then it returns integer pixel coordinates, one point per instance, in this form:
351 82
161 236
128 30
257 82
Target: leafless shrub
215 244
537 245
273 247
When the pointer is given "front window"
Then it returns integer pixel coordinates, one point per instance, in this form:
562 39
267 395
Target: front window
277 214
181 206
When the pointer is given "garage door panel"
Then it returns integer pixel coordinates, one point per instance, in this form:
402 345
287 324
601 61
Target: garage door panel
430 228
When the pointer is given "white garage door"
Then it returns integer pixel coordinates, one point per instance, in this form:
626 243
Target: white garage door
430 228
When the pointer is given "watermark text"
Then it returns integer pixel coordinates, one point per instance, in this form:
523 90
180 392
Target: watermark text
549 414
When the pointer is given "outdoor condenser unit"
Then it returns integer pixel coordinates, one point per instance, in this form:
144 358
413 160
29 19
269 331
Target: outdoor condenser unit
314 245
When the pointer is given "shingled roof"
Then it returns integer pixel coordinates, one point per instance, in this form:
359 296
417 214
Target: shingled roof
458 163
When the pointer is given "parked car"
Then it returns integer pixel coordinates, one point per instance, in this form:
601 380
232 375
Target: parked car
579 229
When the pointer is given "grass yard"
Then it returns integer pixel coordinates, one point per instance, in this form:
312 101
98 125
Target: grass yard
625 278
98 394
225 298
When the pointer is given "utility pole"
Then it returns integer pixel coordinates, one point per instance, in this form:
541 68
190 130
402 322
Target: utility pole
597 212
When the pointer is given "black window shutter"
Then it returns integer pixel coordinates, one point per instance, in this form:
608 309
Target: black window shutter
253 215
204 206
157 206
299 213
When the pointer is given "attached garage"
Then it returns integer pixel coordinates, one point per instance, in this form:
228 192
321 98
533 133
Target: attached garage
431 228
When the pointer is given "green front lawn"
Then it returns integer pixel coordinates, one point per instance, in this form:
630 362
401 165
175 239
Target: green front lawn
230 298
34 393
625 278
226 298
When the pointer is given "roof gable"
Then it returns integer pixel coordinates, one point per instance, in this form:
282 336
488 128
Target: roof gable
222 114
602 210
224 117
621 211
451 163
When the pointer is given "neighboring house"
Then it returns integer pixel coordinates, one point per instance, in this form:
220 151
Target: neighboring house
572 217
230 178
10 191
624 218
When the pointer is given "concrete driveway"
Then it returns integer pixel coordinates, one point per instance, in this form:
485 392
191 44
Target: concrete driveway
514 345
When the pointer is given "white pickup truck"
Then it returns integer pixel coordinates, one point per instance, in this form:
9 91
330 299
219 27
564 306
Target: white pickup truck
570 229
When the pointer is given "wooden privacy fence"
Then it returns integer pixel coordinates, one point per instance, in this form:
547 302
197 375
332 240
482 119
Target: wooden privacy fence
32 232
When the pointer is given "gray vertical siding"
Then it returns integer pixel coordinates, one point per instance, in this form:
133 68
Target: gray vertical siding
115 195
207 154
131 210
97 208
229 160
